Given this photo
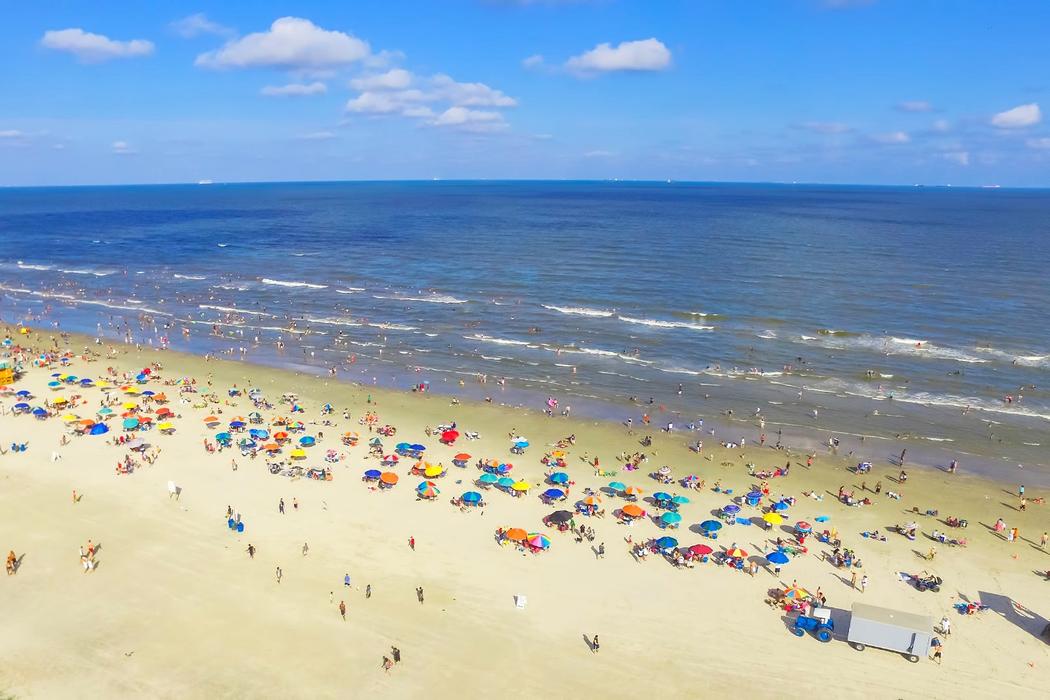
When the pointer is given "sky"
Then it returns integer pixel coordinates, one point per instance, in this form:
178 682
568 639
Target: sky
833 91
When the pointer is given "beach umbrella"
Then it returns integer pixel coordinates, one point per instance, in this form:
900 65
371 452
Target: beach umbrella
461 457
504 468
131 423
99 429
516 534
23 393
521 486
237 424
60 401
679 500
560 516
375 441
736 553
391 459
449 436
164 427
778 558
558 454
795 593
417 448
388 478
129 405
661 496
39 412
711 525
699 550
488 478
433 471
633 511
554 493
663 471
538 540
402 447
671 518
223 437
271 447
667 543
307 440
145 420
633 491
559 478
259 433
149 392
54 385
505 482
298 453
427 489
803 526
591 501
373 474
135 444
164 411
780 506
21 406
753 495
280 435
211 419
471 497
69 418
105 411
521 444
731 509
773 518
246 443
617 486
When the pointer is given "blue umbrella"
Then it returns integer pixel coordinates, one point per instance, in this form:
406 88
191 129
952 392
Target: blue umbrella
140 377
417 448
71 379
39 411
778 558
99 429
489 479
559 478
780 505
521 444
402 446
147 392
711 525
505 482
372 474
679 500
671 518
130 423
667 543
54 385
23 393
731 509
259 433
86 382
472 497
617 485
21 407
661 496
222 437
237 424
553 493
307 440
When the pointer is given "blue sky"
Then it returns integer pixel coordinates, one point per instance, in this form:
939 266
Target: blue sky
852 91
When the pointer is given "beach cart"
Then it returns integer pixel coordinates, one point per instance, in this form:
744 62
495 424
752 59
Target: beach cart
819 623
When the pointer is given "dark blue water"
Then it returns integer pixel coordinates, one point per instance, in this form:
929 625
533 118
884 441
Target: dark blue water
892 310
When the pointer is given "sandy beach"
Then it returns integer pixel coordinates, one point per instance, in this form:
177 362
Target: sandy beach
176 607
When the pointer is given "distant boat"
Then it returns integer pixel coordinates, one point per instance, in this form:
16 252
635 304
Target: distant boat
990 187
204 182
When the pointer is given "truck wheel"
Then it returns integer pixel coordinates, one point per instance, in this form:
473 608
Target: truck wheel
913 658
858 646
799 632
824 636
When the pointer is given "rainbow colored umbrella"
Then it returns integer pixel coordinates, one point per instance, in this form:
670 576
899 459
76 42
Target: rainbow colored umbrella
537 540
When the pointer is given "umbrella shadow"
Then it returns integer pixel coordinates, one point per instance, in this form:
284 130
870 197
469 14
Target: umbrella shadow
1013 612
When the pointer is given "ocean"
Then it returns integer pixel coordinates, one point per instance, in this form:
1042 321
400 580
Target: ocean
907 315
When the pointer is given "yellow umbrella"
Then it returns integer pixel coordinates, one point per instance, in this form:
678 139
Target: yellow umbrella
433 471
557 453
165 427
128 405
69 418
132 390
60 400
298 453
773 518
521 486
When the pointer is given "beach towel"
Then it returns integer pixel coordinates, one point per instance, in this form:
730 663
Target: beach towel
821 518
520 601
743 521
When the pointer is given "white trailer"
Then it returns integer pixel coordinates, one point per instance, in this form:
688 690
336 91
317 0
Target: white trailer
907 633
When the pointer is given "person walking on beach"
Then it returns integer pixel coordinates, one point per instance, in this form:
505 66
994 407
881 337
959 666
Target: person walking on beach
864 583
280 507
1024 504
306 548
396 653
412 543
279 574
387 664
368 591
595 646
346 580
419 594
342 609
853 583
1042 541
601 551
903 452
1020 491
251 551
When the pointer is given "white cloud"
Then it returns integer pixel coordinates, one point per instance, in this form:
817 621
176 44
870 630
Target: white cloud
94 48
644 55
123 148
915 106
292 43
295 89
599 153
891 137
469 94
385 102
533 61
1041 143
198 24
825 127
957 157
942 125
470 119
1018 117
12 134
317 136
394 79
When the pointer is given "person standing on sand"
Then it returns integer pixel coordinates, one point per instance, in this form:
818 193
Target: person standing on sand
419 594
1020 491
368 591
412 543
601 551
280 507
346 579
864 583
1042 541
342 609
595 646
306 548
279 574
853 583
396 653
903 452
251 551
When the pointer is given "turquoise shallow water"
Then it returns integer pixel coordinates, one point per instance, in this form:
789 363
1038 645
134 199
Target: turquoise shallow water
892 310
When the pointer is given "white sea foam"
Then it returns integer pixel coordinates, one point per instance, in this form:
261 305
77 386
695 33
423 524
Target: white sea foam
232 310
392 326
665 324
888 345
188 277
88 271
497 341
579 311
430 299
767 334
283 283
334 321
350 290
31 266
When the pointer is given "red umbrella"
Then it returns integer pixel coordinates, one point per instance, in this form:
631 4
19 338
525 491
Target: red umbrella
803 526
449 436
699 550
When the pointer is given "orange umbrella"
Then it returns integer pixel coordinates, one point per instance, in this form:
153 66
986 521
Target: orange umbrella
280 436
163 411
592 500
160 398
87 421
736 553
388 478
517 534
211 419
271 447
633 510
461 457
633 490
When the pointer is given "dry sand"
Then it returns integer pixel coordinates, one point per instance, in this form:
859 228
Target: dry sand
177 609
